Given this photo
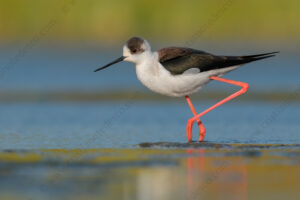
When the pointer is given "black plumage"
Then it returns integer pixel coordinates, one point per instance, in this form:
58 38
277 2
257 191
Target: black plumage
177 59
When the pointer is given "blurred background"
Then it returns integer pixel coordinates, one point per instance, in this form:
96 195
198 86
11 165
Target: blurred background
49 49
69 133
81 35
113 22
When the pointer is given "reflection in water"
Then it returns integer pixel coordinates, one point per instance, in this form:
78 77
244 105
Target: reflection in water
215 178
159 183
161 174
198 176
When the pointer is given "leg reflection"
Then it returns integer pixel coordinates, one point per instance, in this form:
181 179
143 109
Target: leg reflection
215 176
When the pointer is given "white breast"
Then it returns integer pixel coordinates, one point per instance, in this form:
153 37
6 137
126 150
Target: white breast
155 77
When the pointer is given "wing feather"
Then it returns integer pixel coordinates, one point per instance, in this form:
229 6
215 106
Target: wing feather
177 60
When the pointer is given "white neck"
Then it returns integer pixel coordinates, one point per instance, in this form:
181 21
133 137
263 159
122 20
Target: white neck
149 70
148 63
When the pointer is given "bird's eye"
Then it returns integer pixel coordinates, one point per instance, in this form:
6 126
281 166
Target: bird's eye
133 50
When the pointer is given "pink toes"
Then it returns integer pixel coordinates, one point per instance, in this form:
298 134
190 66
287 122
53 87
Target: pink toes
202 132
189 130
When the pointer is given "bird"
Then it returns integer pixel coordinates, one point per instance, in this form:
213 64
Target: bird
182 71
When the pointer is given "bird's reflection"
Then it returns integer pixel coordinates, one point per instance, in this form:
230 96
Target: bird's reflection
200 174
215 177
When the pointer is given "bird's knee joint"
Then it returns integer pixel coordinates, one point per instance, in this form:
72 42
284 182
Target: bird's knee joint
245 87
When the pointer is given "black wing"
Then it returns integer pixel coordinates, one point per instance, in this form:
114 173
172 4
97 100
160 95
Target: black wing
177 59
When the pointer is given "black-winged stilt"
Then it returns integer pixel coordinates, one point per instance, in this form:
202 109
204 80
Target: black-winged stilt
178 72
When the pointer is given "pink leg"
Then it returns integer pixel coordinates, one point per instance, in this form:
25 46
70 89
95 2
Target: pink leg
200 124
244 88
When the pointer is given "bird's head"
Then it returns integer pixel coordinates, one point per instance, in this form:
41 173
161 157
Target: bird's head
134 50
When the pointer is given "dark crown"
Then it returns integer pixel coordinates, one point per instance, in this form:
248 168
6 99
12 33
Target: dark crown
134 44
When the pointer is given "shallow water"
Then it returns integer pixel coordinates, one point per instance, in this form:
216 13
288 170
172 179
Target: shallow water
208 171
124 125
35 118
69 133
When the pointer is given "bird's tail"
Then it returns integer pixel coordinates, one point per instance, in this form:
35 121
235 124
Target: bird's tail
238 60
251 58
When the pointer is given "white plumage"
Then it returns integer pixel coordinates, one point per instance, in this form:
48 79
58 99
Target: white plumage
154 76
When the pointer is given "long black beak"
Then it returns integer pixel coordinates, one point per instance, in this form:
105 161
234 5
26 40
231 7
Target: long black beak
111 63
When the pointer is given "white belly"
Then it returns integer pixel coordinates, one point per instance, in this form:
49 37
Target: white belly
159 80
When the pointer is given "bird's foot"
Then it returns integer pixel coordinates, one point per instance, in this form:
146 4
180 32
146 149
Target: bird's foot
202 131
189 130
